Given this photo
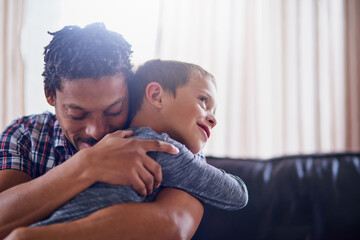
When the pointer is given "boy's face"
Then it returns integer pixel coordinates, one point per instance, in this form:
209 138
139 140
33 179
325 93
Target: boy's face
190 116
88 109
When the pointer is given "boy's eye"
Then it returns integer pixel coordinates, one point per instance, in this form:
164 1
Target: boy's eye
203 99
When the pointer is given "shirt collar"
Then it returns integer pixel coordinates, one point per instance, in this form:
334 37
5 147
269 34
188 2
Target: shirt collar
60 140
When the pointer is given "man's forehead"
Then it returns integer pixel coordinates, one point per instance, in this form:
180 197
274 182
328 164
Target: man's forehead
91 84
104 91
105 106
118 77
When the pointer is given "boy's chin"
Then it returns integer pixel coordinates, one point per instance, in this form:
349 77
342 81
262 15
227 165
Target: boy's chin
197 149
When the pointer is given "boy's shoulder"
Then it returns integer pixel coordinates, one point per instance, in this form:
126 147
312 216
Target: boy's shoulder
148 133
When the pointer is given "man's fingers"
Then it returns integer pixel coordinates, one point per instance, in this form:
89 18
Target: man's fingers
139 186
129 157
155 169
160 146
148 180
147 175
124 133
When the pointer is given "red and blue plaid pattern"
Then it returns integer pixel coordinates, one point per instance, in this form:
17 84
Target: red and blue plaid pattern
34 144
201 156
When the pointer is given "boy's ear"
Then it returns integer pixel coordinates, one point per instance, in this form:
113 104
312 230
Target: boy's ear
50 98
154 93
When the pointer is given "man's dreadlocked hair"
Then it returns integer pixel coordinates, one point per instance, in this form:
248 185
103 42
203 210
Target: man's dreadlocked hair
89 52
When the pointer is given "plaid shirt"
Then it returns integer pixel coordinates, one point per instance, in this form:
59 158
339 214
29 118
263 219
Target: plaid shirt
35 144
201 156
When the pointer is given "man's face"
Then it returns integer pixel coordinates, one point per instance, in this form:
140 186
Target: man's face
88 109
189 116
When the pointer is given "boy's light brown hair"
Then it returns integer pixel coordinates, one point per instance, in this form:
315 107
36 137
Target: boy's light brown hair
169 74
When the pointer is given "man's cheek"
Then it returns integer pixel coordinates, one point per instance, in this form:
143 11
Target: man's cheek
74 130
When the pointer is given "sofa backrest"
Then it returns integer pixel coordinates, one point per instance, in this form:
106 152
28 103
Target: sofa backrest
293 197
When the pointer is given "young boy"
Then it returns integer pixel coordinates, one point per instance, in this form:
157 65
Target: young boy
174 102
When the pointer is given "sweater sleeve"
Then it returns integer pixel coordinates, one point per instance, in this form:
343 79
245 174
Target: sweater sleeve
205 182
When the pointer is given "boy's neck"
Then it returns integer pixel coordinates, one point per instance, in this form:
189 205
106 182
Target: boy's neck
144 118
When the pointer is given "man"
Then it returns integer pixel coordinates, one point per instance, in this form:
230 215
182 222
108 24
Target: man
47 159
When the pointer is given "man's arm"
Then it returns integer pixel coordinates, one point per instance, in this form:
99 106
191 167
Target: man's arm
27 201
114 160
174 215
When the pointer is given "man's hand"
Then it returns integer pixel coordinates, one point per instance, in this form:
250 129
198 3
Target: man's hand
119 160
115 160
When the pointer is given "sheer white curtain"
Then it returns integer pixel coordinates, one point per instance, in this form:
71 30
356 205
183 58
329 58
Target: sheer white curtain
11 67
280 68
287 70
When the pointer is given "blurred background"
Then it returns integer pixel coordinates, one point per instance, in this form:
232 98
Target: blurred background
288 71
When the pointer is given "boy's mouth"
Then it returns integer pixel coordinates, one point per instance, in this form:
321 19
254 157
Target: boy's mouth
205 128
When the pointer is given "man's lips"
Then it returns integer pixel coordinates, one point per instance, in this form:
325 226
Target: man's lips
85 145
87 142
205 128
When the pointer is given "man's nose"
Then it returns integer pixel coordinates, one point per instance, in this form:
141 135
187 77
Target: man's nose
97 128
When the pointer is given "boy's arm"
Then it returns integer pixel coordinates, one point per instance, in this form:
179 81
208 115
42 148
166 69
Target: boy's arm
174 215
207 183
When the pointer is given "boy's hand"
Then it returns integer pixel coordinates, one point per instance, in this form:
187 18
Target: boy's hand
117 159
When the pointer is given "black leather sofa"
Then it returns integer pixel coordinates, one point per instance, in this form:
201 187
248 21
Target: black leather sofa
294 197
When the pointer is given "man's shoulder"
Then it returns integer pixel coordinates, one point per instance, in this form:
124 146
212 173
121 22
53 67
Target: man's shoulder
36 122
45 117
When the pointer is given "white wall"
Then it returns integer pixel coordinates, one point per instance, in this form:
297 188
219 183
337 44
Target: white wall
40 16
136 20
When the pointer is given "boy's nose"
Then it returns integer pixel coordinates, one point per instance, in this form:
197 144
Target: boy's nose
211 120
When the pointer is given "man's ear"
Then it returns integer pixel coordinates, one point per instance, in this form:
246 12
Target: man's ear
50 98
154 93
